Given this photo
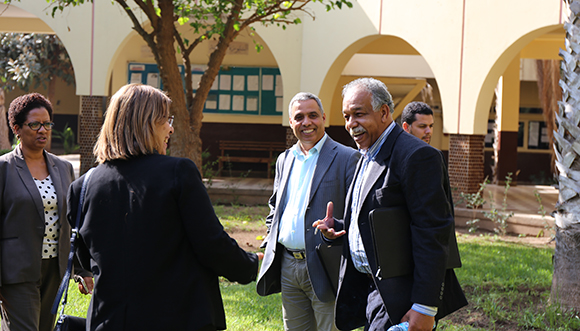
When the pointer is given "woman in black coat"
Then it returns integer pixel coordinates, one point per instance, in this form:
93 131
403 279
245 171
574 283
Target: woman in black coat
150 235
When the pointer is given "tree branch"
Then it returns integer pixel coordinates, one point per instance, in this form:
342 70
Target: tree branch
148 37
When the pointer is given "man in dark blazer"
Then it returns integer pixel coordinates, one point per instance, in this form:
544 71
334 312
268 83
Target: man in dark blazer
310 174
396 170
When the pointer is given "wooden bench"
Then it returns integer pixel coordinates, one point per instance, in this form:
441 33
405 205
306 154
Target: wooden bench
262 152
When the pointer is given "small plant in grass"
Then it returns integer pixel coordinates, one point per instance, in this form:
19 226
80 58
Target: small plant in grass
208 168
474 201
543 213
500 216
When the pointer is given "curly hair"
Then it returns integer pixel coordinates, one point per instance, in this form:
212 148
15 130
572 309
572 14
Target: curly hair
21 106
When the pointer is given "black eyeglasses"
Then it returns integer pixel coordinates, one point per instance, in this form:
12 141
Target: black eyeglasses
36 125
170 120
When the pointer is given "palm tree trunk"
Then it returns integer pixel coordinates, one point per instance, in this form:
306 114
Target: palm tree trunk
565 284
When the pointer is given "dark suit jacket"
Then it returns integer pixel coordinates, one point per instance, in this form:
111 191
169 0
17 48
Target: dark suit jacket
155 246
330 182
22 217
408 173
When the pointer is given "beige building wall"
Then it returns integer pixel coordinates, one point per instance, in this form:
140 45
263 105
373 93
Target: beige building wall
465 50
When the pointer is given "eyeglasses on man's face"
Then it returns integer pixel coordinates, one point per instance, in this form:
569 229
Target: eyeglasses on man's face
36 125
170 120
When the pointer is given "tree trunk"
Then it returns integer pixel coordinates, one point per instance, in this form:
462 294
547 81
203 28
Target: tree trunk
215 60
185 141
566 280
4 141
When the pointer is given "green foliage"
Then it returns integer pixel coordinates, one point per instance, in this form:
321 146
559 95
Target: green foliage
208 167
474 201
245 310
4 151
507 286
543 213
500 216
29 60
492 263
67 137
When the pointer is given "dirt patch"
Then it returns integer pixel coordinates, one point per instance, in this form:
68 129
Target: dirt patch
248 240
251 240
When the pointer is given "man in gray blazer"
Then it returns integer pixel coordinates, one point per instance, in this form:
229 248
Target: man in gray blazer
313 172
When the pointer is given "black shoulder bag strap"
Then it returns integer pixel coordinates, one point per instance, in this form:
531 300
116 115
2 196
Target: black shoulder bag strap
63 288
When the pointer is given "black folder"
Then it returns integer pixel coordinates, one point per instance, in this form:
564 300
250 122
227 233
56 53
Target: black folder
330 258
391 234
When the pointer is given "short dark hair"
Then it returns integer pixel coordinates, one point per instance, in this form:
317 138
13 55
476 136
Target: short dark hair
21 106
304 96
415 107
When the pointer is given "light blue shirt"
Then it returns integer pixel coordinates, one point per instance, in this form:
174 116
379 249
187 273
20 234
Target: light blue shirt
357 250
291 231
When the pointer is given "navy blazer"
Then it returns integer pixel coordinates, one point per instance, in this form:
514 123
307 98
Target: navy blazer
406 173
155 246
22 217
330 182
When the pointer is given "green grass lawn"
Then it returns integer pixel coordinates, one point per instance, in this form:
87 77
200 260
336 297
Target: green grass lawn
507 286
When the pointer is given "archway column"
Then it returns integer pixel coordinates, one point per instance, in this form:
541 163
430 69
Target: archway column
507 110
465 163
90 121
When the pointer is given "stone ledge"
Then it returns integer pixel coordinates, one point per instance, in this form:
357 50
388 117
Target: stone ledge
519 223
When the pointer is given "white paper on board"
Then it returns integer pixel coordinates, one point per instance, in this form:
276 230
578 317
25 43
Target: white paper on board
267 83
211 102
136 78
238 103
225 82
239 81
534 133
225 100
253 83
252 103
153 79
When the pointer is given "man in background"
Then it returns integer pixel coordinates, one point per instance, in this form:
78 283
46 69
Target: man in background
417 119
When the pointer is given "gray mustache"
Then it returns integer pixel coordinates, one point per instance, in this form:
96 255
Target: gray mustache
358 129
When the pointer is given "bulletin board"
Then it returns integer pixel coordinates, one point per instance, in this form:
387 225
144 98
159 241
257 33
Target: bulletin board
236 90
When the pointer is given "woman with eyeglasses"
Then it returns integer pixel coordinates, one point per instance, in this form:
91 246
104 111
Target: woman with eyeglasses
34 233
149 232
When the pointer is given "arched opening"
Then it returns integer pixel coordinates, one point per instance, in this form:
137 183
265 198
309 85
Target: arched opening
24 28
522 144
399 65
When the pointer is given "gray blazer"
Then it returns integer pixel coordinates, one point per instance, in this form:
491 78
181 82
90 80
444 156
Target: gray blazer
22 217
330 182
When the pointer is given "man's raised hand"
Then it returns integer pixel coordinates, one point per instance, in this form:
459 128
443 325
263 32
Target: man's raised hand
326 225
